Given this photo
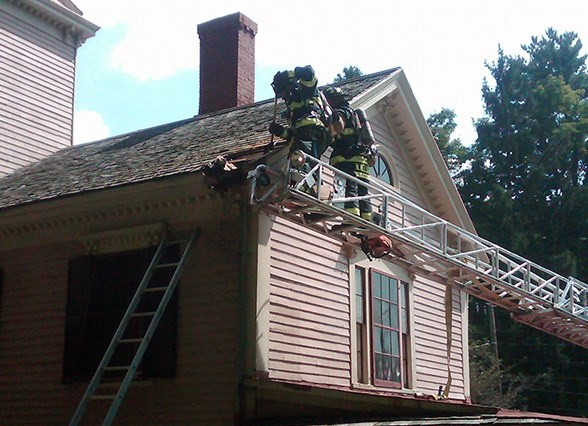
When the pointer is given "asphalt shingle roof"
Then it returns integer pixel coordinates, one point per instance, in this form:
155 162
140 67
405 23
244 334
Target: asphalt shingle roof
167 150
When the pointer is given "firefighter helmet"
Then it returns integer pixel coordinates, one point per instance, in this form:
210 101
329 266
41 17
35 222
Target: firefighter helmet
335 96
283 80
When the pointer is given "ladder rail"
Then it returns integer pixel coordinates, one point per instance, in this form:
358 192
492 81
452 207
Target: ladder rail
408 223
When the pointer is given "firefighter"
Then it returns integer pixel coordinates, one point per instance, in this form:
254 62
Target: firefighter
349 152
306 130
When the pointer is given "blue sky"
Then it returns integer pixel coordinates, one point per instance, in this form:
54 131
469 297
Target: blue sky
141 68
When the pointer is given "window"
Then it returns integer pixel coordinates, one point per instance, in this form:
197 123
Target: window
361 325
100 289
382 330
382 170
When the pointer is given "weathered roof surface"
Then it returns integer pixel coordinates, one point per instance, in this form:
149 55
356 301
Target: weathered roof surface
167 150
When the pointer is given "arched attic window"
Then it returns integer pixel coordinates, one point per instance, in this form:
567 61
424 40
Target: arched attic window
384 169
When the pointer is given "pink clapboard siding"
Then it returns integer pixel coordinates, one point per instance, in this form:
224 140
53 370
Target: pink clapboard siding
33 302
37 70
309 307
430 338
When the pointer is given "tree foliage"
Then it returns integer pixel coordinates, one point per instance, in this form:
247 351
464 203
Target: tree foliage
348 72
526 189
442 125
529 164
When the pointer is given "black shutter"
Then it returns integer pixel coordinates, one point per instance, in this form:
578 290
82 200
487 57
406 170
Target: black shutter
79 290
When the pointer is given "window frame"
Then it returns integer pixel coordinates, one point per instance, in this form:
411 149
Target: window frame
364 354
378 298
384 156
91 324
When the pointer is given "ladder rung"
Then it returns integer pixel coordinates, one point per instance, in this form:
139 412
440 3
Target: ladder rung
143 314
118 368
167 265
103 397
152 289
178 241
134 340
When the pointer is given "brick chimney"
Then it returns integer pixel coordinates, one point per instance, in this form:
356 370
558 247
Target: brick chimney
227 62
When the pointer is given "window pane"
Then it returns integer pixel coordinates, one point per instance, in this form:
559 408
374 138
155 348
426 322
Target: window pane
359 310
387 343
359 281
384 365
377 311
394 290
385 288
379 366
385 314
381 171
395 370
394 316
405 355
395 336
377 278
359 296
378 338
404 305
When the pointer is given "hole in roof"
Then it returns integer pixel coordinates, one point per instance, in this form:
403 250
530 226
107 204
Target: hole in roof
142 136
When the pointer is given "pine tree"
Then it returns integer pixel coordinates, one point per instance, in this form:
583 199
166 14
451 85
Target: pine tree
526 189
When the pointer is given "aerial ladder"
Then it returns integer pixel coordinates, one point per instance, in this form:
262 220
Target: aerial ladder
428 245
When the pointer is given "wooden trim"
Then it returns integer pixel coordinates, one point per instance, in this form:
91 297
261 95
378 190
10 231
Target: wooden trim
263 295
124 239
59 16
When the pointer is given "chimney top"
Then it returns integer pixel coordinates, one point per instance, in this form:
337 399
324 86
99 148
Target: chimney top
233 20
227 62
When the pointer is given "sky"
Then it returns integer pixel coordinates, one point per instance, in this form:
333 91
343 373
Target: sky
141 68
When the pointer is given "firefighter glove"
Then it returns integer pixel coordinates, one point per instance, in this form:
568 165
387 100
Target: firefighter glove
277 129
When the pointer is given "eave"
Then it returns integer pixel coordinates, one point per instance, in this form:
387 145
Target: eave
60 16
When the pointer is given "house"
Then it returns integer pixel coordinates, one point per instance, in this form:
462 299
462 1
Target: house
271 322
38 40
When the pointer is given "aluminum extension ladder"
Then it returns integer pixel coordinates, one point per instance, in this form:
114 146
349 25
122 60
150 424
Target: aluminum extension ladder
427 244
141 343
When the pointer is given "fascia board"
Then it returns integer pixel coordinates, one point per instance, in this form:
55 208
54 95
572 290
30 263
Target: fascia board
376 93
65 16
433 155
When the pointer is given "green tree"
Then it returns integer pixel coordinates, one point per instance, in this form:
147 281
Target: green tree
442 125
348 72
526 189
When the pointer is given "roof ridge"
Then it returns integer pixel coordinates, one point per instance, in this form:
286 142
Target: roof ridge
364 77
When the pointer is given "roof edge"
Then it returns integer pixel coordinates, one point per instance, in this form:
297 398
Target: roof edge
62 15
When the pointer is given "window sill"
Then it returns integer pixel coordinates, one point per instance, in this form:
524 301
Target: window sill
372 388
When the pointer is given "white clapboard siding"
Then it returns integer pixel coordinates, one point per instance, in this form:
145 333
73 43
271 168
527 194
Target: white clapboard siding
309 307
37 72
